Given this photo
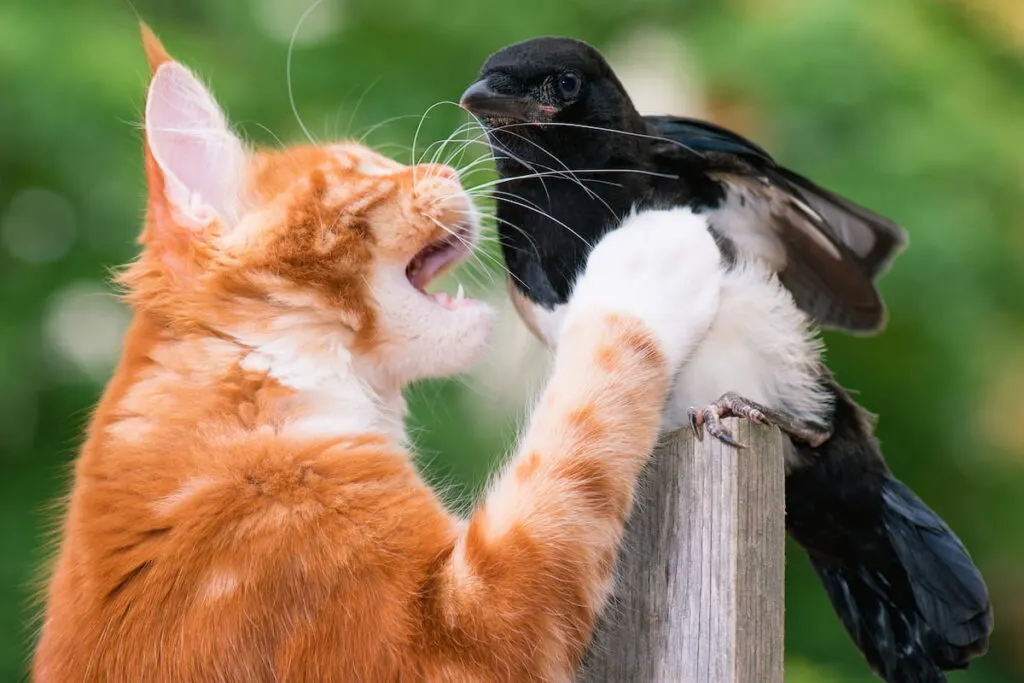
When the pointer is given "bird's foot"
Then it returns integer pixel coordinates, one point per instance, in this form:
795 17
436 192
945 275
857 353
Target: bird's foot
731 405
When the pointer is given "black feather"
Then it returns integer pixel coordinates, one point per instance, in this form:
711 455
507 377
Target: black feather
948 590
876 617
704 136
834 249
900 580
852 224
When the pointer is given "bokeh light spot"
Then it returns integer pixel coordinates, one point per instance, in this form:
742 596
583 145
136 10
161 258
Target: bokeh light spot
657 71
38 226
84 324
279 20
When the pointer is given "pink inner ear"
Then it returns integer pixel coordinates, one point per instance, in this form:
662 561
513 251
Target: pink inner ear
188 135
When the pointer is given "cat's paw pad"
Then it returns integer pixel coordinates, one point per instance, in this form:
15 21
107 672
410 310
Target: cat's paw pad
662 267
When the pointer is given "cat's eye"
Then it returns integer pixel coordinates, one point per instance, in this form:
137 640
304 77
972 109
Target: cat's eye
569 85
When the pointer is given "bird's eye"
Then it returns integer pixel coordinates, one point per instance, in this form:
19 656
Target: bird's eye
569 85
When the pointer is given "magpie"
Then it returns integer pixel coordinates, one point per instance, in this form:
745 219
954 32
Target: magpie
575 160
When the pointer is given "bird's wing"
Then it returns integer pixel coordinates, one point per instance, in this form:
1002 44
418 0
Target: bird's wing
828 250
702 136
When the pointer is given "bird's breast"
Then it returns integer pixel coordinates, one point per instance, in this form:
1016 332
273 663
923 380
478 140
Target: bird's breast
760 346
543 322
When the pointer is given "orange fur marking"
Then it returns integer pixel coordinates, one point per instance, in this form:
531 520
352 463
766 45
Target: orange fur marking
156 55
593 480
637 340
244 508
607 358
585 420
528 467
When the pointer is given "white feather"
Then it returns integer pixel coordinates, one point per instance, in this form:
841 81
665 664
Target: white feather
760 346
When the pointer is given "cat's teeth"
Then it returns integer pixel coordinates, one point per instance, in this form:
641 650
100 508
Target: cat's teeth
460 293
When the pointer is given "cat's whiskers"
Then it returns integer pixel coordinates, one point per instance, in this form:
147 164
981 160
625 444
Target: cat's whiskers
288 69
570 173
474 253
441 145
466 142
336 133
482 158
491 216
527 176
550 217
438 145
527 204
355 110
529 238
404 149
613 131
419 126
567 173
475 273
277 138
474 166
459 130
502 193
380 124
493 144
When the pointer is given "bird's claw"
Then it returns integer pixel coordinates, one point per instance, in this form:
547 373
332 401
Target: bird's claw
729 405
696 420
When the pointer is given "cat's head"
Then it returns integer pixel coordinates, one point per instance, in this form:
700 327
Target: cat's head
317 247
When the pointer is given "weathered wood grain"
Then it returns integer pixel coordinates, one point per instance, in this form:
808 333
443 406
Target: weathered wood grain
700 592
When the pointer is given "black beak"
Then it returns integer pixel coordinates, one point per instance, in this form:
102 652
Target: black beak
482 100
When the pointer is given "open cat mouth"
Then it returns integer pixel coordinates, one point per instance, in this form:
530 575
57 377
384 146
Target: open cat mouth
436 258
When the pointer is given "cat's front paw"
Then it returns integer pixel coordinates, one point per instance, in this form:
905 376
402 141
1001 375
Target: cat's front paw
662 267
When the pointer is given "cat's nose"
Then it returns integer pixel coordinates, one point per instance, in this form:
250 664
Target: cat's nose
437 171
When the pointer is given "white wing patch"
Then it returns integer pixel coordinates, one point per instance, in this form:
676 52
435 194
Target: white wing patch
746 218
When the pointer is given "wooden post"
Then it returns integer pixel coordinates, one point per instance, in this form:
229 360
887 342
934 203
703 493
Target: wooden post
699 596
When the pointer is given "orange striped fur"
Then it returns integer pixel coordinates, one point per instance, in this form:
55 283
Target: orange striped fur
245 507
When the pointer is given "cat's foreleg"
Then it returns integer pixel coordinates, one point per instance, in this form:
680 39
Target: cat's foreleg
533 569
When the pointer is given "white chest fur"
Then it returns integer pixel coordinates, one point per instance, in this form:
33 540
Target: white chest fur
331 396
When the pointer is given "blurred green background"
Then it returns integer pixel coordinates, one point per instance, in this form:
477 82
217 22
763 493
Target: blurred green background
913 107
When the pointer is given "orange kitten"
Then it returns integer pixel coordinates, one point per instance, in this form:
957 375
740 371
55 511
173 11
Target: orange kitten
245 507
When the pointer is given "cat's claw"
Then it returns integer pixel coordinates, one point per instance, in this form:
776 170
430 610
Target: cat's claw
732 405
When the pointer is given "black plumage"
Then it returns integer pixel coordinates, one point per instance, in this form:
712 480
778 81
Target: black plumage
901 581
577 158
827 249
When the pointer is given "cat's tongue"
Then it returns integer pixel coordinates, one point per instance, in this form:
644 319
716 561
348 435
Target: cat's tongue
433 259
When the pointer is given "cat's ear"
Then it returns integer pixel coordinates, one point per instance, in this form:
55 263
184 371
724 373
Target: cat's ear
194 162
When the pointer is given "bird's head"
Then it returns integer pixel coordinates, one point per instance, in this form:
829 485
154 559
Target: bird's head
549 80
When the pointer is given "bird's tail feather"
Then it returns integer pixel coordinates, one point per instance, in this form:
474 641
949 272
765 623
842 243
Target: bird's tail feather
917 608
